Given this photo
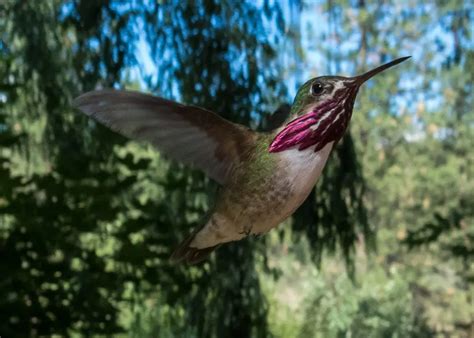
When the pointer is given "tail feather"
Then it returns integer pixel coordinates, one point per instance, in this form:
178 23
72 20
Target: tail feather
190 255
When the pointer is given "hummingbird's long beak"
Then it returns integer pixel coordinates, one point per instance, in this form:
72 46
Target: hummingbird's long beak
364 77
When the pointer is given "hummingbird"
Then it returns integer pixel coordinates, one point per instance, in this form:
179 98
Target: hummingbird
264 176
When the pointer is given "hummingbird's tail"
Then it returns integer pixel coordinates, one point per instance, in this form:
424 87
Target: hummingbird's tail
190 255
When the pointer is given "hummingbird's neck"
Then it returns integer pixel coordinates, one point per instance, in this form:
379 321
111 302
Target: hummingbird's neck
316 124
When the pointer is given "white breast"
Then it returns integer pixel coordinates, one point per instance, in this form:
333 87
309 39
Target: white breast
304 167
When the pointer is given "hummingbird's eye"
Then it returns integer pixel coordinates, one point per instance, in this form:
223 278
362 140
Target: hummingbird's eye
316 88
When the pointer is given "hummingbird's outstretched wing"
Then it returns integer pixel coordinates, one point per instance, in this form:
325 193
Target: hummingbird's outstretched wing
191 135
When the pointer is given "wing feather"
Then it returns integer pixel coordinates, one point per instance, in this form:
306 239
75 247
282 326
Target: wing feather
192 135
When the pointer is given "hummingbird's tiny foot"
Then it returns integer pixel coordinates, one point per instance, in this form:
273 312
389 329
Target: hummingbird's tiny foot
246 231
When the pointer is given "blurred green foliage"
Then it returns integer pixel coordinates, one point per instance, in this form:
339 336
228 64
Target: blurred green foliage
88 219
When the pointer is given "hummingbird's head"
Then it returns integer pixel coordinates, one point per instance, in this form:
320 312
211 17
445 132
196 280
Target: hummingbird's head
322 110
